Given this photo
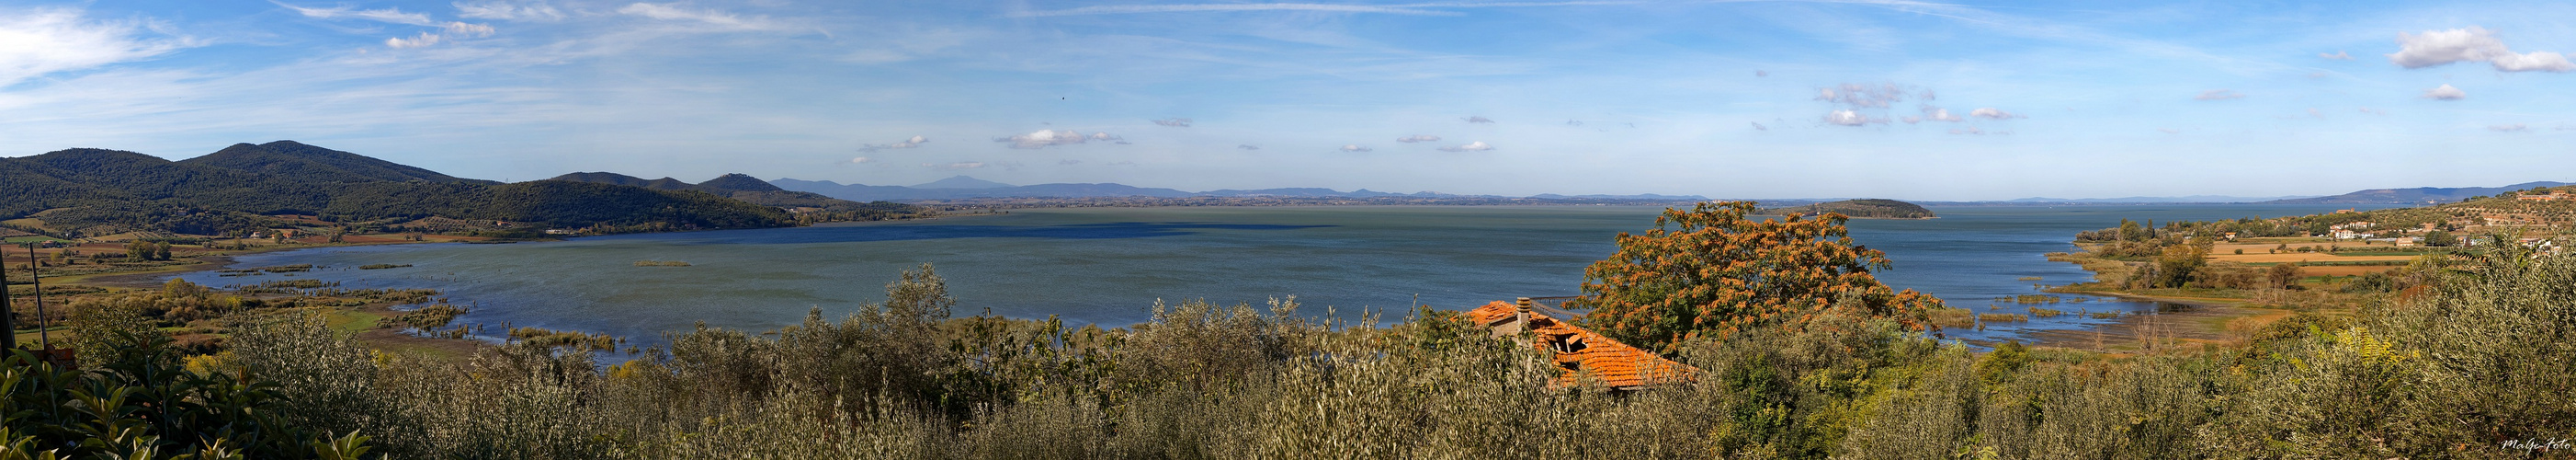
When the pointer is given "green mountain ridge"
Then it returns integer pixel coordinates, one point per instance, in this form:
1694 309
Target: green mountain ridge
746 188
295 160
90 192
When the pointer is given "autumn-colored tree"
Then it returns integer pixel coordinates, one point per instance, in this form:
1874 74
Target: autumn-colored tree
1711 272
2284 275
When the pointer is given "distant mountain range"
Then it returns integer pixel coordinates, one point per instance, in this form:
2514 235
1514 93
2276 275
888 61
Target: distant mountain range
964 187
2158 199
2418 195
93 192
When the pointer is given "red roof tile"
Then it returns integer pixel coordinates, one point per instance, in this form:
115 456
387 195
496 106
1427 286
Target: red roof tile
1578 351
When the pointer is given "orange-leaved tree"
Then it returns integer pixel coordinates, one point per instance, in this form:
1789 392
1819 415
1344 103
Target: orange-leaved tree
1710 271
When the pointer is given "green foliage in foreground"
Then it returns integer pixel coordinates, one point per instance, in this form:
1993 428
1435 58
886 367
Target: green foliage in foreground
143 403
2456 372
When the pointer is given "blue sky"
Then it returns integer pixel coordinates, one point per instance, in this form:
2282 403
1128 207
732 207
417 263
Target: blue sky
1725 99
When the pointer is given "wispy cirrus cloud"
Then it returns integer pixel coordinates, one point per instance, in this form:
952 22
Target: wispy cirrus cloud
2218 95
1355 148
672 12
1048 138
508 11
1477 146
1174 122
1992 113
913 142
42 41
1418 138
2509 128
388 15
1425 9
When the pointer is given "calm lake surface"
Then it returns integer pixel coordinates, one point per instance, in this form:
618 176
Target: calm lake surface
1109 265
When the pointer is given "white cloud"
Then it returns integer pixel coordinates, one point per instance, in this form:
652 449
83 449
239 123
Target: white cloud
2313 112
1761 73
2372 111
956 165
1991 113
2509 128
2338 55
721 20
1042 139
2445 93
462 29
506 11
1477 119
391 15
861 160
1850 118
1931 113
1248 147
2536 60
2169 130
1417 138
1477 146
1757 126
2473 44
1860 96
1356 148
1972 130
2218 95
915 141
43 41
1174 122
424 39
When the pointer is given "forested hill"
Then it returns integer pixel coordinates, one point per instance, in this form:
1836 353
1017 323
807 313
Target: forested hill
1866 208
91 192
755 191
296 161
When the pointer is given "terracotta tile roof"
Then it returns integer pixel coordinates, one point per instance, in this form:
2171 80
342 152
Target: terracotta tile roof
1577 350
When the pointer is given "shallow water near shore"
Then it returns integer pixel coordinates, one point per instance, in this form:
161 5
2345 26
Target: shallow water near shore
1110 265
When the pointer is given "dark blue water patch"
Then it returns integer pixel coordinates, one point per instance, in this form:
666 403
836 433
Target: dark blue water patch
861 234
1110 265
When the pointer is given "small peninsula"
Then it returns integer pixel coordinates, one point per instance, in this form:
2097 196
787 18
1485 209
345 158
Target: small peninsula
1865 208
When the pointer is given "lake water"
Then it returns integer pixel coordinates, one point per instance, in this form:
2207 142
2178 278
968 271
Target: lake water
1109 265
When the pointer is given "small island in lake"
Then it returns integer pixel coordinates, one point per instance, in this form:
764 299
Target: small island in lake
1865 208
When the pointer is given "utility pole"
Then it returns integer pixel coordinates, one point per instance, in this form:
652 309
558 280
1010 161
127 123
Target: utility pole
43 336
8 309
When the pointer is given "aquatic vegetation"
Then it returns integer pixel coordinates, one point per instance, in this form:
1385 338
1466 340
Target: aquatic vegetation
2037 312
2002 317
382 266
660 263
